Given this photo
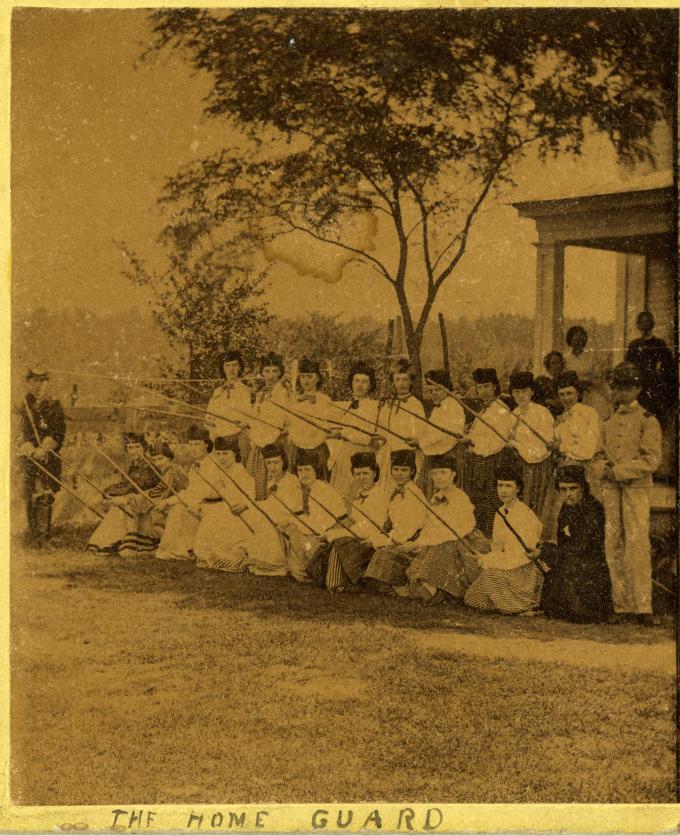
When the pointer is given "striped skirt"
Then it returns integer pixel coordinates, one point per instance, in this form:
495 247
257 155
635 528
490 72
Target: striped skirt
389 566
321 453
450 566
537 482
144 539
507 591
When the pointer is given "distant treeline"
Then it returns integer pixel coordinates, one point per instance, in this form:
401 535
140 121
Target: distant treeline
130 345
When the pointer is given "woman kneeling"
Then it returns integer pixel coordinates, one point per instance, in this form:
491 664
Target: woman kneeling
510 582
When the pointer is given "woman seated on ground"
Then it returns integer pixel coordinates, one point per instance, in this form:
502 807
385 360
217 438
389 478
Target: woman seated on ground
233 535
406 512
284 493
183 517
445 561
350 555
510 581
577 586
107 536
144 534
318 523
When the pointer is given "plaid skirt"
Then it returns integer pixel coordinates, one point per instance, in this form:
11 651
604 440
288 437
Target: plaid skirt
450 566
258 470
480 486
507 591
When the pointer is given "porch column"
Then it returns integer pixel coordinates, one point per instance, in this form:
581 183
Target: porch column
549 314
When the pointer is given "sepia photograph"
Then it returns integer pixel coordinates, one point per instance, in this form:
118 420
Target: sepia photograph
343 414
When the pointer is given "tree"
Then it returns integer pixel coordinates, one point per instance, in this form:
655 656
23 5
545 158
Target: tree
326 339
415 117
205 300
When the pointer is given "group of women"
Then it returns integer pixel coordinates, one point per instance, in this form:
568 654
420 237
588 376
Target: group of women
484 500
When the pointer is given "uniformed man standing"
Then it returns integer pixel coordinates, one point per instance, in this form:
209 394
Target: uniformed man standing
632 452
42 430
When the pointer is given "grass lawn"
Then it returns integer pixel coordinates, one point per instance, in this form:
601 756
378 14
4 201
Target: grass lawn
154 682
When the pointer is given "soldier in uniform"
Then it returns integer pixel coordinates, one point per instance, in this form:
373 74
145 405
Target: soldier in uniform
632 451
42 430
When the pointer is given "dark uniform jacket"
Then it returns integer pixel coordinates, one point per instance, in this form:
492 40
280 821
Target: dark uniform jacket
47 416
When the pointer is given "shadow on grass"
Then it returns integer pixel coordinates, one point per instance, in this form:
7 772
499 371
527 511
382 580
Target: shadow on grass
285 598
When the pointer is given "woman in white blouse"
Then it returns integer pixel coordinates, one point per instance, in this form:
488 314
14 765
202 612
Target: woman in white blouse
446 549
509 582
446 421
406 510
360 412
533 438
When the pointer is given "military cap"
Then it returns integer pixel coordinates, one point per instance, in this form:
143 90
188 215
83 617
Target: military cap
37 374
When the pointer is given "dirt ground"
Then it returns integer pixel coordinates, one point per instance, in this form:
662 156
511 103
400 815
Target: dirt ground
156 682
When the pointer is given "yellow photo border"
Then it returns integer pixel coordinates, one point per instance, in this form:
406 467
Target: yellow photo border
268 818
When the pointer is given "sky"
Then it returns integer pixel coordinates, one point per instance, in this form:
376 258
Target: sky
95 132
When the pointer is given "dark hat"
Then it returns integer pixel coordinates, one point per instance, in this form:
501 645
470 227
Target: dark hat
439 376
308 366
403 458
135 438
271 359
363 460
37 374
275 451
404 366
567 379
366 460
485 376
361 367
521 380
196 433
445 462
508 473
160 448
626 374
308 458
572 473
229 442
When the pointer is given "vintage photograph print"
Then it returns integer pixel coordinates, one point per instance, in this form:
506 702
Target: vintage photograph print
344 413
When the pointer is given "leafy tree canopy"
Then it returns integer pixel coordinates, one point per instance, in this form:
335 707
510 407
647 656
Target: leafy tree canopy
414 116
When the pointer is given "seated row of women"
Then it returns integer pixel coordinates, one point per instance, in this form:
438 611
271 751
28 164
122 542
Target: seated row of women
397 543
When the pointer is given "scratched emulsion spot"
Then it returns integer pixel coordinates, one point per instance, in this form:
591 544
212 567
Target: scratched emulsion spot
311 257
